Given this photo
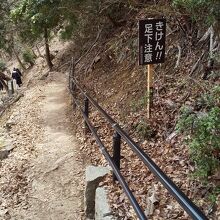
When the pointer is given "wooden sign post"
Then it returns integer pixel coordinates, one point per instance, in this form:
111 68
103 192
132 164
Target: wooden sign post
150 89
152 33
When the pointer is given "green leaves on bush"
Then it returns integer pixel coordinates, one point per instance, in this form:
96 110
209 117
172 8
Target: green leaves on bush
28 57
145 131
203 133
2 66
203 10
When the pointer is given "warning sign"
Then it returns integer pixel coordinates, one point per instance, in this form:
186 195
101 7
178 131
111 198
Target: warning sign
152 35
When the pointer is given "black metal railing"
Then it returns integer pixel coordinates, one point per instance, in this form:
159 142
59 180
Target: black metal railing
114 161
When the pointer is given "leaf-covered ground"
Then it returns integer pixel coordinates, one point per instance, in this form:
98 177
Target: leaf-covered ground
111 75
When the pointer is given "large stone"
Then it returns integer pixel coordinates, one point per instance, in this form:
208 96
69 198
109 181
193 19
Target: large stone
9 124
94 175
4 154
6 149
102 208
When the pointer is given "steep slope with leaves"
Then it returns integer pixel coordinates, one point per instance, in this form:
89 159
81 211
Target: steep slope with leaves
111 74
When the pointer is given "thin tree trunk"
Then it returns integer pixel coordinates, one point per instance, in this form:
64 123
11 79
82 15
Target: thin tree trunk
3 78
18 59
34 52
47 49
38 50
5 86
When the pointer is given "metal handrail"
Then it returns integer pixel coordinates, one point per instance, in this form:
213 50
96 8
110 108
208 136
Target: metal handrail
180 197
120 178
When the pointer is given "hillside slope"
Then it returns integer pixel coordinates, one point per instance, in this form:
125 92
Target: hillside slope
109 72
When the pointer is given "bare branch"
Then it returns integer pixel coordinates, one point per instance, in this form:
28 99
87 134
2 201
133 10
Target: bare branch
179 56
196 64
91 47
207 34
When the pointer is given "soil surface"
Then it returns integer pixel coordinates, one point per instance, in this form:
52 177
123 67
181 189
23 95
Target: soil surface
43 176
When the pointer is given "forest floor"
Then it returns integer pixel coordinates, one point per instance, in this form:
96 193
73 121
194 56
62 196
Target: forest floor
111 75
43 176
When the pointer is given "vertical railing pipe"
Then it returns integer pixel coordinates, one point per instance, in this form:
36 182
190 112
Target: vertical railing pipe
116 151
12 87
86 112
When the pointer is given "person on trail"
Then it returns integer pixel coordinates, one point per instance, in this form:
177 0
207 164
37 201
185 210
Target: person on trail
17 77
18 71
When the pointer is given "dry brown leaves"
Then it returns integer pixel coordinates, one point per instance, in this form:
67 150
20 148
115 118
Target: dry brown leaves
23 134
169 154
120 88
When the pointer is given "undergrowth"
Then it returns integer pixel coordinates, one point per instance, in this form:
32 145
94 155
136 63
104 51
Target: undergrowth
28 57
2 65
202 130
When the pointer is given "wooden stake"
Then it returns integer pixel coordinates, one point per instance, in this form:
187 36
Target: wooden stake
149 89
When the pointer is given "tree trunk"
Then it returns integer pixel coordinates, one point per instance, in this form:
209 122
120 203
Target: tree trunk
35 55
4 85
4 78
110 18
19 60
47 49
38 50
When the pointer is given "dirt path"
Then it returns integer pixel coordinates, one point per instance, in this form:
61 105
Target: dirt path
53 165
56 187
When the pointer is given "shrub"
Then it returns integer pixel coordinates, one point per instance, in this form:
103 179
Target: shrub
28 57
137 105
2 65
203 133
145 131
203 10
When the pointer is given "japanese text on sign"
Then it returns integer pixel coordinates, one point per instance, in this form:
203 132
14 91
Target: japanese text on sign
152 33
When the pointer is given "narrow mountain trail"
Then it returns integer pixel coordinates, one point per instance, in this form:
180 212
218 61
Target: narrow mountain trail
48 159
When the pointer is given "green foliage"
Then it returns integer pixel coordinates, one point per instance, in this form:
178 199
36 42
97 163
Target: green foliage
28 57
2 65
203 10
5 26
209 101
214 194
67 31
203 130
144 130
3 41
36 19
136 105
34 16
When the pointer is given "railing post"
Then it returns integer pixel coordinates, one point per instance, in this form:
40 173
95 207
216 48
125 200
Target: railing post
12 87
86 112
116 151
70 77
73 87
72 71
73 67
73 91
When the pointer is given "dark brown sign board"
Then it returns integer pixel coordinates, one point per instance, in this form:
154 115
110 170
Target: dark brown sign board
152 35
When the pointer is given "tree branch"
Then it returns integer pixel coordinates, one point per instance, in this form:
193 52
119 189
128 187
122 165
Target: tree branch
196 64
91 47
179 56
